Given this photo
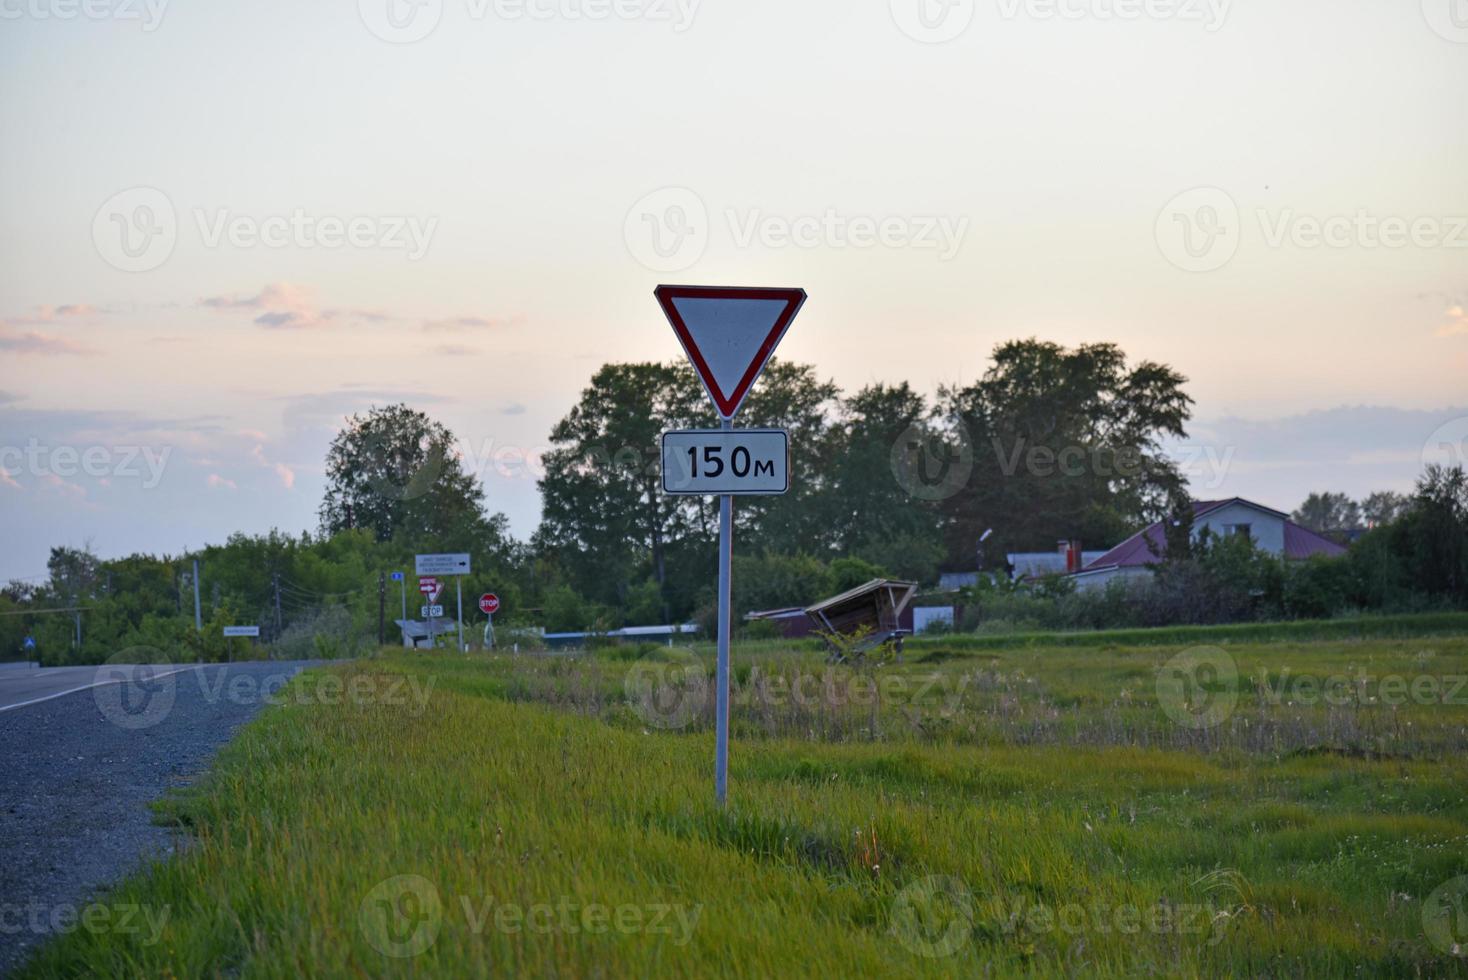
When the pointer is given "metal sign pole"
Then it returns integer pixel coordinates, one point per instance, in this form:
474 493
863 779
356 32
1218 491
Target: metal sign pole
459 598
726 542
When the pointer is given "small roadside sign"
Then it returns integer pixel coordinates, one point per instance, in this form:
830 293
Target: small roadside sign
397 576
430 587
242 631
734 461
432 612
442 564
489 603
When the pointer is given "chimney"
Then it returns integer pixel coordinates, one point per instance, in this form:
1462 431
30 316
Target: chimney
1073 558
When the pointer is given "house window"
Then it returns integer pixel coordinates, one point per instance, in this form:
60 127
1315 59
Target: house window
1242 530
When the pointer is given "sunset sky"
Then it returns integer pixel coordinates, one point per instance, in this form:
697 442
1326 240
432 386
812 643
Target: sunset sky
226 226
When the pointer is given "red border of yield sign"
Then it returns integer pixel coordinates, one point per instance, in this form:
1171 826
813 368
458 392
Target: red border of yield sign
729 406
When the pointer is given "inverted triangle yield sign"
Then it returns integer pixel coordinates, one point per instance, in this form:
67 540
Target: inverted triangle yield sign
729 333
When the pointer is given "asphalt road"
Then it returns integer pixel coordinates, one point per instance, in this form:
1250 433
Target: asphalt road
79 770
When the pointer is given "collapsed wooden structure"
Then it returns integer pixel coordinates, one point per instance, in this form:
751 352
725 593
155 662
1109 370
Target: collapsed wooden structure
870 612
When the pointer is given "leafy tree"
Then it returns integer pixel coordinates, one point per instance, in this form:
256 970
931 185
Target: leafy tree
1328 513
871 514
396 472
1064 443
1383 507
601 496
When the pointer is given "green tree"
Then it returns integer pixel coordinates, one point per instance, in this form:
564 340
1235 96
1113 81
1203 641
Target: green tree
1063 444
396 472
1328 513
1383 507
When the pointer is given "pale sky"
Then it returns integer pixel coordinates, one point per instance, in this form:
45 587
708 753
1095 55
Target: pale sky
225 226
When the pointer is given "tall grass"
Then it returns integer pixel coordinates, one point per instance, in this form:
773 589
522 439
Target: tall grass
1013 849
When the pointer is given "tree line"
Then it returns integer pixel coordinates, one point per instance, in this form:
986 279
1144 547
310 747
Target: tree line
1049 443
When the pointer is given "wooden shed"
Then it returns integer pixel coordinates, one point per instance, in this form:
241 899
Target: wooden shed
878 606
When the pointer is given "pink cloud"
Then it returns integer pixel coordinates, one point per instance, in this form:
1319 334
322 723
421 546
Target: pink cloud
286 474
217 482
1457 323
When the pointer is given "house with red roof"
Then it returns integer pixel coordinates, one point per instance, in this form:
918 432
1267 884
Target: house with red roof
1270 530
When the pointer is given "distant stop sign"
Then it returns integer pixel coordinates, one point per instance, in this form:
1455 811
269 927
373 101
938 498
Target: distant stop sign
489 603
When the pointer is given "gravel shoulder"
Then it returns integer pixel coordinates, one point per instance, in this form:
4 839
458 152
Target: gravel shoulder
79 774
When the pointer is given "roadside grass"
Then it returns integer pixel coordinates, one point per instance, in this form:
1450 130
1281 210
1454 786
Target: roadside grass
1052 824
1363 627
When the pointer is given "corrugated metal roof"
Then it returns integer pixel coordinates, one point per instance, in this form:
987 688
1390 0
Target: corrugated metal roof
1301 542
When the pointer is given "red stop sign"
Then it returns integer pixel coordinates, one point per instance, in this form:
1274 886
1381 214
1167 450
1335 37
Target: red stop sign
489 603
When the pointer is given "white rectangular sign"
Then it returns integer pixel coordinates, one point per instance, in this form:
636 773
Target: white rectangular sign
705 462
242 631
443 565
432 612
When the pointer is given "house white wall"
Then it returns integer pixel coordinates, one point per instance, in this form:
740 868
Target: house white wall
1265 528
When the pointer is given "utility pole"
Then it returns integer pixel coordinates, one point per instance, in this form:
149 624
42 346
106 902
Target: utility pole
275 579
198 616
381 608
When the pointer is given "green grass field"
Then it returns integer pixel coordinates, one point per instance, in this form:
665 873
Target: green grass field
1258 809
